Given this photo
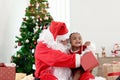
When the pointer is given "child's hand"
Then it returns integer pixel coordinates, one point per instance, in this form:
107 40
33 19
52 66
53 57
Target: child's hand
87 43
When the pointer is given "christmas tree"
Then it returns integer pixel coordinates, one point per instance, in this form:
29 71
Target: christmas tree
36 19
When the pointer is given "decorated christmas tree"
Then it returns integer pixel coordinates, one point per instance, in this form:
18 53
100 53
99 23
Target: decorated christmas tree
36 19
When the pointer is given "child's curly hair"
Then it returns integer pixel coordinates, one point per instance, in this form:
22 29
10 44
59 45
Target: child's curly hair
73 33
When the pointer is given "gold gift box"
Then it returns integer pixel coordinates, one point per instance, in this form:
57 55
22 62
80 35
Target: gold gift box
111 68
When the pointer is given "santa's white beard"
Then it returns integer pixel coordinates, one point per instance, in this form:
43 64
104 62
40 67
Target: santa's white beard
62 73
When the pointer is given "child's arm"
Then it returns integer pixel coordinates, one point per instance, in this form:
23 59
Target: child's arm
89 47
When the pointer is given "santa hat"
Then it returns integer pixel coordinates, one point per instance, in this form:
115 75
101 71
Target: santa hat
58 30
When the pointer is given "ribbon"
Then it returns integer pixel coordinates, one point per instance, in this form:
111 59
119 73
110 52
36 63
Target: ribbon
114 74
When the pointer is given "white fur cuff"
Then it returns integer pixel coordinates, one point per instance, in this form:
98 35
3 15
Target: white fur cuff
78 59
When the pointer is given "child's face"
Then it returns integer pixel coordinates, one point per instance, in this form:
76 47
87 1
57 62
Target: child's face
76 40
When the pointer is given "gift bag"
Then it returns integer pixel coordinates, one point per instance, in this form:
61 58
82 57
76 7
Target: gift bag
7 73
89 61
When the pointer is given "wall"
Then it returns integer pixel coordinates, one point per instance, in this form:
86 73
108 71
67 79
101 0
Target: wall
11 13
97 21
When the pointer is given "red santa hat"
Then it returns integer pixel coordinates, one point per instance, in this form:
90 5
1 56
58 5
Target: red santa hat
58 30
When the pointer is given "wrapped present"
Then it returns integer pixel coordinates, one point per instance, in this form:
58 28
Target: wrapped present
28 77
7 72
89 61
111 70
20 76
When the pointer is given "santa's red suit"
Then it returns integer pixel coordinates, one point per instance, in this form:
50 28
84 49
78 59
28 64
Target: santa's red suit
52 63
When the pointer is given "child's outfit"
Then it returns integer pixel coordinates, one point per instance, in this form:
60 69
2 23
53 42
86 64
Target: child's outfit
84 75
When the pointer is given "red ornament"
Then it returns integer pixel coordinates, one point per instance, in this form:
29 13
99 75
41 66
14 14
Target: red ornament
44 27
19 43
30 47
24 19
35 42
47 4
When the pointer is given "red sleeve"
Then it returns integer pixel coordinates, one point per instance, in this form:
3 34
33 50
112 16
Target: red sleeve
55 57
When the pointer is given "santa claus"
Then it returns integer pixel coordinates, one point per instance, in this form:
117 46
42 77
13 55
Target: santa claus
51 58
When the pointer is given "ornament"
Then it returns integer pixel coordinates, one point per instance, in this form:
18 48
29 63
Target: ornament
33 17
46 18
18 55
37 20
32 10
15 46
35 42
24 19
30 5
33 50
11 60
41 20
38 16
116 50
103 52
47 4
37 5
44 11
35 30
30 47
33 39
27 41
51 17
37 27
44 27
19 43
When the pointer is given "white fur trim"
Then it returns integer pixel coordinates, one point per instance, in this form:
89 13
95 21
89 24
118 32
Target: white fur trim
98 78
62 73
78 59
63 37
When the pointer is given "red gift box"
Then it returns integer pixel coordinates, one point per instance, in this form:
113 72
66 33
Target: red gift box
7 73
89 61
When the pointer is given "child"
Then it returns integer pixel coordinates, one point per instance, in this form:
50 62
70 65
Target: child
77 48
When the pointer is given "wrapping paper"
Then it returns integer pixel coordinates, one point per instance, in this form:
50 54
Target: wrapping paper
7 73
89 61
111 70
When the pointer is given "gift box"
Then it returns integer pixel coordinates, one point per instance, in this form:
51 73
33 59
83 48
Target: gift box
111 71
7 71
20 76
89 61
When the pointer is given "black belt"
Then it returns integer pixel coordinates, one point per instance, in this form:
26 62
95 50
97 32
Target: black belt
36 78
